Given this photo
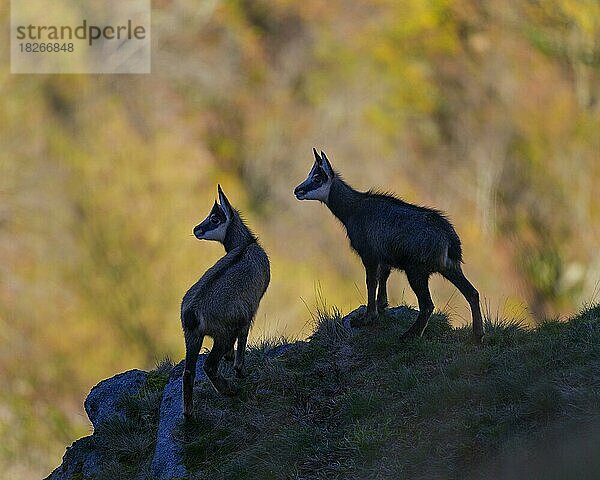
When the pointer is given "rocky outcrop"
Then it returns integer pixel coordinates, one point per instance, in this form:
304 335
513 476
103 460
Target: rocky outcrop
167 462
105 402
82 460
102 403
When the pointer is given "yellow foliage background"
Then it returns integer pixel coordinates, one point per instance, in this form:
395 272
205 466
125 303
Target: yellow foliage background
489 111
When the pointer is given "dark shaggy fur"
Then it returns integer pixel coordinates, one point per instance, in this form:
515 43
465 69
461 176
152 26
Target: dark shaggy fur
224 301
388 233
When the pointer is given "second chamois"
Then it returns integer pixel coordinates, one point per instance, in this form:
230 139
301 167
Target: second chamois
223 303
387 233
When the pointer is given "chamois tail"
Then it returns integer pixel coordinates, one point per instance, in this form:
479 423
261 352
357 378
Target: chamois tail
454 255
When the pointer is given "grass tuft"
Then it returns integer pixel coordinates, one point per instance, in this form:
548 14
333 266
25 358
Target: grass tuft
504 332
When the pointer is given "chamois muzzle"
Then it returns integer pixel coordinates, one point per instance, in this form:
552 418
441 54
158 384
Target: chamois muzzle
198 231
300 191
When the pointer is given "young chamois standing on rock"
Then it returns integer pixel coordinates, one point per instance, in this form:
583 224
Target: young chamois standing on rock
387 233
223 303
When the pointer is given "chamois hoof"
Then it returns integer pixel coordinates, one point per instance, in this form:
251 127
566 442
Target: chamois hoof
382 306
222 386
476 339
188 411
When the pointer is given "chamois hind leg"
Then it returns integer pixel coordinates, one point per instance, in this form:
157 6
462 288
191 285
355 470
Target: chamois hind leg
211 366
238 363
457 277
193 343
419 282
383 273
229 356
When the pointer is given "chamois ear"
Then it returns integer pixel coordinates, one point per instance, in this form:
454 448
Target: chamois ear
318 159
326 165
225 205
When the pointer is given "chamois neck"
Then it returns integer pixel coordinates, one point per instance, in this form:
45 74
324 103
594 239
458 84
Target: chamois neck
343 199
238 234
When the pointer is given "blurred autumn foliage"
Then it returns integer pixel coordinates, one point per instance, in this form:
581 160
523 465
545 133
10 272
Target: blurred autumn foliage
487 110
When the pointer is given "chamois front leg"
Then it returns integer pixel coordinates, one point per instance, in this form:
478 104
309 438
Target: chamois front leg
371 274
240 352
371 278
383 273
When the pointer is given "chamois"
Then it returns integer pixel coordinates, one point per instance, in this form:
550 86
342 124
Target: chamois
223 303
387 233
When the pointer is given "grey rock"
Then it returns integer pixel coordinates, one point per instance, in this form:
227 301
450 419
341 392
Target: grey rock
74 461
356 313
167 462
102 404
103 401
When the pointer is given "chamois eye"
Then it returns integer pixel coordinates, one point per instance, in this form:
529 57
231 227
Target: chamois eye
317 178
214 219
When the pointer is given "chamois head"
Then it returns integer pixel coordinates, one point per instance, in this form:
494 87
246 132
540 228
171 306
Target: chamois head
214 227
317 184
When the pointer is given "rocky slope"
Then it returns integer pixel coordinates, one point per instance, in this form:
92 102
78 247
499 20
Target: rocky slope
363 404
